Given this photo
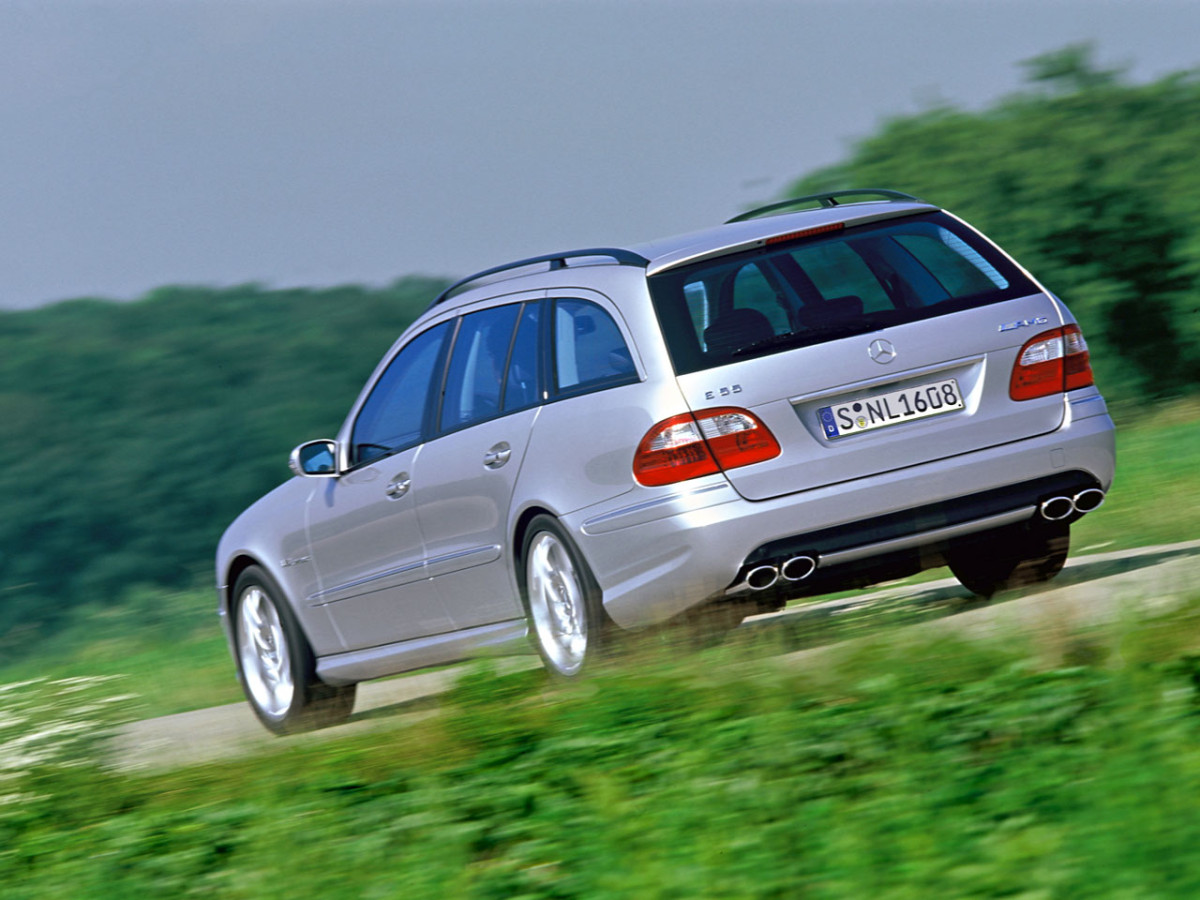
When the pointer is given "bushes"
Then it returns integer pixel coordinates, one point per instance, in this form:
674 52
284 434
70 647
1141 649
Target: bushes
913 768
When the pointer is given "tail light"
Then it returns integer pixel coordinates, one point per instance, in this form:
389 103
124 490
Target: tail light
702 443
1051 363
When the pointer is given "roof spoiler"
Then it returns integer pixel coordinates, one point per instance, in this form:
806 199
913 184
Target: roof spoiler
826 200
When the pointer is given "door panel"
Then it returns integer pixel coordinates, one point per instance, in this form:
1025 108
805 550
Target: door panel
367 549
463 512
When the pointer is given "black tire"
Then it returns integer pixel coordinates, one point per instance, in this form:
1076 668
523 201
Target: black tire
275 662
1011 557
567 622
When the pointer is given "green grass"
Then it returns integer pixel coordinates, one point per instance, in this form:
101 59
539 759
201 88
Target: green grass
167 648
908 768
1155 498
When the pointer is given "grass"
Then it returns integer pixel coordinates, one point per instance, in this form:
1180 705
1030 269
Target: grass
166 647
1155 498
909 767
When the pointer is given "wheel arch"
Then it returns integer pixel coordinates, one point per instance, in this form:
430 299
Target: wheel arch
520 528
239 564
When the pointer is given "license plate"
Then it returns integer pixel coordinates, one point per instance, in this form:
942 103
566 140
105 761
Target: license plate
918 402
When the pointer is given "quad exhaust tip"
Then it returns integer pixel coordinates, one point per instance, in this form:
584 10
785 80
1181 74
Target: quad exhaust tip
798 568
1058 508
1087 500
761 577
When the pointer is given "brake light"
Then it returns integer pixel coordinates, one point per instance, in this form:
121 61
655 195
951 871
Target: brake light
1051 363
807 232
691 445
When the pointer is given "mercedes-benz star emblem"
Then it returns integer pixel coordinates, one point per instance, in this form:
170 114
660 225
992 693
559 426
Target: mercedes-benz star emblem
882 351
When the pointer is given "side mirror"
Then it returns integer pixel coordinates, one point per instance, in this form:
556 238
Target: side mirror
315 458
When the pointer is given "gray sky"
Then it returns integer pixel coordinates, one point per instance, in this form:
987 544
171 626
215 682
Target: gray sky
315 142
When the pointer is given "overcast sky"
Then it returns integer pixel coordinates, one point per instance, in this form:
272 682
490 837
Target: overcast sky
315 142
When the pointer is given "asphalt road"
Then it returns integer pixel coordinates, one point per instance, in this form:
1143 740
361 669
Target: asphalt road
1091 590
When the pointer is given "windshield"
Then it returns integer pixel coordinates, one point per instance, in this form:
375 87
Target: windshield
818 289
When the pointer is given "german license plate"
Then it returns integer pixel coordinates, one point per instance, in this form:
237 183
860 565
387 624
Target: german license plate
918 402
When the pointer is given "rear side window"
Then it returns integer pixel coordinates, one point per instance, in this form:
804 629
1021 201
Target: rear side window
477 363
589 351
850 282
522 380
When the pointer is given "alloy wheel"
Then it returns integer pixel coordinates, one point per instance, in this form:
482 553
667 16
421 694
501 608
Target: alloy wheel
263 649
557 603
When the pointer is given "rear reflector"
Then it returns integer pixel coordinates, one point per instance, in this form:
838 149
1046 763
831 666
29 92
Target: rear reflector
691 445
1053 362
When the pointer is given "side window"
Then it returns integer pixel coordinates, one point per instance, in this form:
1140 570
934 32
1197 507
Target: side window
393 416
521 382
589 351
477 362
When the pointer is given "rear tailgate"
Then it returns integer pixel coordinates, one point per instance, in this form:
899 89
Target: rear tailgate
865 348
957 368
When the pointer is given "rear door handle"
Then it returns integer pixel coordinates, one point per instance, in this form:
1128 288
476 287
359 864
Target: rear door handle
497 456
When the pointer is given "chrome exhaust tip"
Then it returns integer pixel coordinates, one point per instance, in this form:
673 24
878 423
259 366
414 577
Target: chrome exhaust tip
1087 500
1056 508
761 577
798 568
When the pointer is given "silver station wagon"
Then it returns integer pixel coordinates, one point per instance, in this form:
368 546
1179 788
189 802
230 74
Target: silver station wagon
821 394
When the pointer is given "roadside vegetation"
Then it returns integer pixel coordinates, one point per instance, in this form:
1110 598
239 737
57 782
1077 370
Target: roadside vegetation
908 767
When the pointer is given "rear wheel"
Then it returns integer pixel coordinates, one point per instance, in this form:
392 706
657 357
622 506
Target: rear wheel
562 599
276 664
1011 557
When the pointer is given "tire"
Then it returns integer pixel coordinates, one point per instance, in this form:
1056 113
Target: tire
567 622
1011 557
276 665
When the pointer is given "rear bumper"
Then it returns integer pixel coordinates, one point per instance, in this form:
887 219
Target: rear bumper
672 551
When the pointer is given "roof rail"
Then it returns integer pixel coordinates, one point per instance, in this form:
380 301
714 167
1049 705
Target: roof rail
556 261
827 200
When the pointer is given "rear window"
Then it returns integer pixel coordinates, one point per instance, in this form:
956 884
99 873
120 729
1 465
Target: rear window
818 289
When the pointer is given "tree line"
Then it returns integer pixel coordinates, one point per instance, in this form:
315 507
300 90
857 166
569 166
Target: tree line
136 431
1090 181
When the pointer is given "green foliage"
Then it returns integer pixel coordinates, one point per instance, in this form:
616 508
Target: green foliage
138 431
48 724
165 645
905 769
1090 182
1155 498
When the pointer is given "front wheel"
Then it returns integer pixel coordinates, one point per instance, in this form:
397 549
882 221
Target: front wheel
1011 557
561 599
276 664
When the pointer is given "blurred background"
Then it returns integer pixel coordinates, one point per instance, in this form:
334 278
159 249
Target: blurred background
217 215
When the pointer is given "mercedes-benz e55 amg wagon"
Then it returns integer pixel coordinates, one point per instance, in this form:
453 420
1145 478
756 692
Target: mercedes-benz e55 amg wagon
788 404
